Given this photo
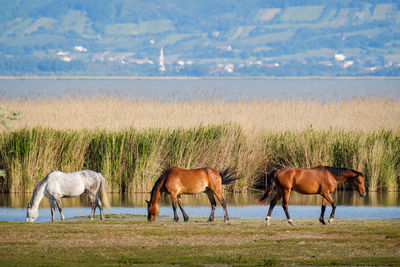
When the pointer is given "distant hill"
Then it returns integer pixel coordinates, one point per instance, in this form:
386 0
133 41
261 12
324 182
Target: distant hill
200 38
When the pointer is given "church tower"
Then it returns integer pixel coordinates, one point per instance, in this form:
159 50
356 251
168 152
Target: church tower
161 61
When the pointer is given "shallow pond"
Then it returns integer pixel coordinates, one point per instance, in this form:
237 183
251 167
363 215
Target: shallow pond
242 205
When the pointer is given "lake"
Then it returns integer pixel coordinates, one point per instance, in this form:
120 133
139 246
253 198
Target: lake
240 205
200 89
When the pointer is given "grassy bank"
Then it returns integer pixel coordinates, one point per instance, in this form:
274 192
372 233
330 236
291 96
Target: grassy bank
131 160
197 243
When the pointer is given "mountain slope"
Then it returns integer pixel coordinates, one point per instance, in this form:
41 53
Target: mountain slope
200 37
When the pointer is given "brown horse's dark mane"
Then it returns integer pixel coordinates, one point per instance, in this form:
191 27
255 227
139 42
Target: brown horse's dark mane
157 186
337 171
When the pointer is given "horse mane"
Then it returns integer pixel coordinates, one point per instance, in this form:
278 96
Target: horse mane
36 189
337 171
158 184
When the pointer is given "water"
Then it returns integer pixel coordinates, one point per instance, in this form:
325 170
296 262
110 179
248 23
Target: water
187 89
241 205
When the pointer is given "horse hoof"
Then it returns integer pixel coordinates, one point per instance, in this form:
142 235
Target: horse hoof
290 222
268 220
322 221
330 220
186 220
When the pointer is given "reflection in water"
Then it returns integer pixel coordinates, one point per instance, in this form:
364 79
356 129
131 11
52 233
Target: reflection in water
350 198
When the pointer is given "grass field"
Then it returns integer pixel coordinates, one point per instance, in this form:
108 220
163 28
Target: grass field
133 241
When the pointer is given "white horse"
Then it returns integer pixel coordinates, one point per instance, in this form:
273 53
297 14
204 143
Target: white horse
57 185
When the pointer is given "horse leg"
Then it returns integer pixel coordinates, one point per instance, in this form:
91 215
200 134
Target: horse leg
92 200
185 217
329 198
285 205
174 200
323 207
98 203
58 200
223 204
213 203
271 207
52 208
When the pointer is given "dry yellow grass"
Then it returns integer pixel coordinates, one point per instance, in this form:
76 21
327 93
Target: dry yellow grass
116 113
120 242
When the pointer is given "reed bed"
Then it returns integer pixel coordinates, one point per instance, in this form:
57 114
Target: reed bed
131 159
258 115
132 140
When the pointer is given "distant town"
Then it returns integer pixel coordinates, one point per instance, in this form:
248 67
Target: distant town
275 38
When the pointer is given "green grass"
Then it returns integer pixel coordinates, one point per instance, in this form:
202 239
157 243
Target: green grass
131 160
302 13
197 243
174 38
151 26
383 12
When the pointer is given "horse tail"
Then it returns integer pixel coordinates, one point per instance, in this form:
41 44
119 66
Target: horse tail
270 185
226 176
103 192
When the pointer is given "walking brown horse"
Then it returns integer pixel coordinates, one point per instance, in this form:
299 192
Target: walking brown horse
321 180
177 181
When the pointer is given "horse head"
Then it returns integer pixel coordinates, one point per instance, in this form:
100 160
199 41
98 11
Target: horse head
31 214
152 211
359 184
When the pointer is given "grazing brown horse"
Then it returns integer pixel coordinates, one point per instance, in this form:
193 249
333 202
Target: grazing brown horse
177 181
321 180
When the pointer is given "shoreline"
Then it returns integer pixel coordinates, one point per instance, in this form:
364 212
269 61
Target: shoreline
197 78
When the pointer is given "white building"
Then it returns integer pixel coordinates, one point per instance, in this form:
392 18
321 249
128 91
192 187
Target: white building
66 59
340 57
229 68
62 53
80 48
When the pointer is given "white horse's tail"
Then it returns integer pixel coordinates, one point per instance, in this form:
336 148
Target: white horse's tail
103 192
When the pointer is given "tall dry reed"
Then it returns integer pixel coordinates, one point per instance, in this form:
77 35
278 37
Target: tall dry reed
132 140
119 113
131 160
